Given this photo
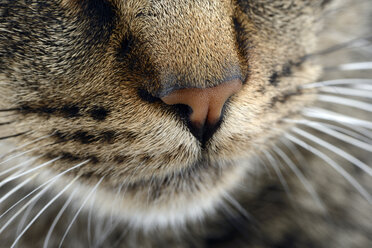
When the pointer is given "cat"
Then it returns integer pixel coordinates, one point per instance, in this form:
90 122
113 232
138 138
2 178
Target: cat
142 123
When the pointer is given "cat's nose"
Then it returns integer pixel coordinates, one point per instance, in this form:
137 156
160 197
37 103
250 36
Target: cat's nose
206 105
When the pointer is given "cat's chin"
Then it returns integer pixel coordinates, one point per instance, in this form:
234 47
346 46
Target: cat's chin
165 203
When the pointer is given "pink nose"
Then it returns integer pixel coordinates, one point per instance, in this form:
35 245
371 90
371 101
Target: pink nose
206 104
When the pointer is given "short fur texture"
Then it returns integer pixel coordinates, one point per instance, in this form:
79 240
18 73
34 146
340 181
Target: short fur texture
81 81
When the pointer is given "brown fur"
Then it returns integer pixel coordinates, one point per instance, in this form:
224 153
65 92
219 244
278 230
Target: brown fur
75 70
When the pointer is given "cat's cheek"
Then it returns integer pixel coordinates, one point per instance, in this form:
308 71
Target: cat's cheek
253 119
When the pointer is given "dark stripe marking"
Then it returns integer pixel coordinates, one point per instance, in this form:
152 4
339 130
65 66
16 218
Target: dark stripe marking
74 158
67 111
283 98
286 71
99 113
85 137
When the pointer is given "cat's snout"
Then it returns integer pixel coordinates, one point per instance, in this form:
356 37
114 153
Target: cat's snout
206 105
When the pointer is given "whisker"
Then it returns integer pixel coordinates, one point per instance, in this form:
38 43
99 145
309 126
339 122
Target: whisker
323 128
79 210
232 216
347 91
300 176
18 155
237 205
89 227
98 230
56 219
14 174
362 86
330 13
351 130
336 82
275 166
24 163
295 152
103 235
367 134
333 116
25 217
357 133
24 145
15 189
345 101
333 164
110 226
266 168
35 198
29 171
51 180
42 211
338 47
364 167
353 66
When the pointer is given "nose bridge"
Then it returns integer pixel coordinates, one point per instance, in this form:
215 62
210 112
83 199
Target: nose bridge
192 44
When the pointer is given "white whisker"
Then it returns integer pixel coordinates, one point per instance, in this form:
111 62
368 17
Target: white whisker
89 227
24 163
266 168
35 198
334 165
42 185
333 116
362 86
79 210
58 216
356 133
345 101
300 176
335 149
29 171
42 211
295 152
15 189
24 217
347 91
110 225
355 66
275 166
14 174
337 82
323 128
237 205
17 155
24 145
367 133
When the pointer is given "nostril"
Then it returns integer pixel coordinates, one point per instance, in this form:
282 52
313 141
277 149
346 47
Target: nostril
206 105
183 111
202 133
205 132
